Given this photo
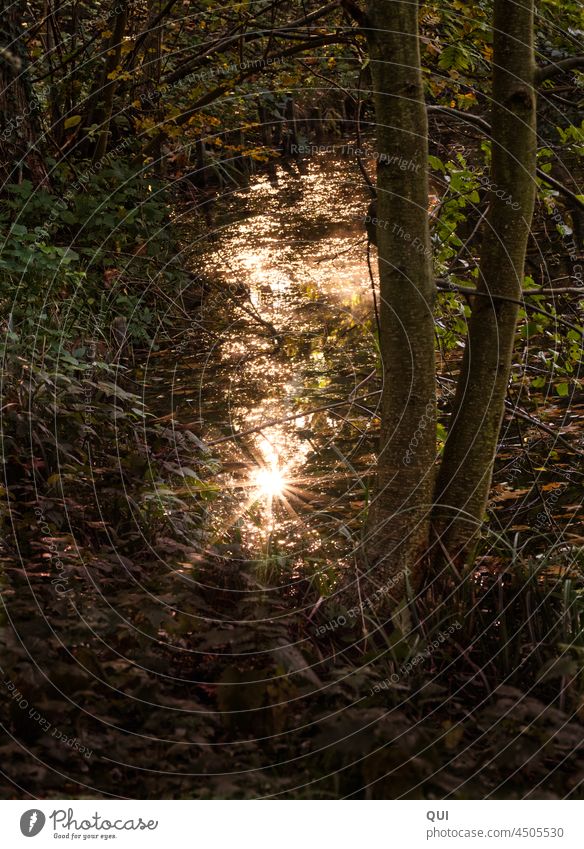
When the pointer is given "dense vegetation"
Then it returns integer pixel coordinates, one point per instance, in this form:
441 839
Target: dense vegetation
149 647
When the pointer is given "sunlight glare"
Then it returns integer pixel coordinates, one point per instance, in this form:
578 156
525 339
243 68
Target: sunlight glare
270 482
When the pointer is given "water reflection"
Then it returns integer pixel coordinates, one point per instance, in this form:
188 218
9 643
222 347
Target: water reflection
270 482
297 473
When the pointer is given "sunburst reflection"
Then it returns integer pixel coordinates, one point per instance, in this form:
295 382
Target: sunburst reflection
288 480
270 482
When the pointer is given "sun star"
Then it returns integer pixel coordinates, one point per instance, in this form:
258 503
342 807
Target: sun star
270 482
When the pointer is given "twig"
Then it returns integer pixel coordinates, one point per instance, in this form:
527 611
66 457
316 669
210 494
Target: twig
377 321
360 163
468 290
290 418
555 68
316 73
533 472
479 669
150 25
358 582
516 411
340 253
475 229
563 290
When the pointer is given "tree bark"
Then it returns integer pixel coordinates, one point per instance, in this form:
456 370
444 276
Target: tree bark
398 526
465 475
152 68
19 125
108 86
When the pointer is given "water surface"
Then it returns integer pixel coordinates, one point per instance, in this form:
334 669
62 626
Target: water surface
286 331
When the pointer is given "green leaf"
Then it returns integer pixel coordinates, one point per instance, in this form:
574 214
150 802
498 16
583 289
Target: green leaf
72 121
436 164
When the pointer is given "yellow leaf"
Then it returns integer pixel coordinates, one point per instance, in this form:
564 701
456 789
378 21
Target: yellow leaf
72 121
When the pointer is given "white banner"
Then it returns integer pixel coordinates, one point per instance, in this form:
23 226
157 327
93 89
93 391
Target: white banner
293 824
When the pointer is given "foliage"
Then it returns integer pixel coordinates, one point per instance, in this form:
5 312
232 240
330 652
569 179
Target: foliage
78 258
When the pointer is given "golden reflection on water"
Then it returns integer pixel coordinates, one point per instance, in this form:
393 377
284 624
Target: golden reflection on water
270 482
297 252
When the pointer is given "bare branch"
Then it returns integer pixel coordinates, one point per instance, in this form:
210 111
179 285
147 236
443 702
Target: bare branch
554 69
291 418
226 43
470 292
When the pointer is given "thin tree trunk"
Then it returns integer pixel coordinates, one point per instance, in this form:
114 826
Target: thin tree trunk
466 471
109 85
152 67
19 125
398 528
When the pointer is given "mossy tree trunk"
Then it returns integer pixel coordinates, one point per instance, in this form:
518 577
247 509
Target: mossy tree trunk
398 539
465 474
398 528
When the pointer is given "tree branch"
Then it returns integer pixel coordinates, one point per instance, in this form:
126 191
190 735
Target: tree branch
261 65
150 25
554 69
291 418
522 414
226 43
470 292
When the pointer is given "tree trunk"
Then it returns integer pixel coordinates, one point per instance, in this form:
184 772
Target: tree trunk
19 126
398 527
466 471
108 84
152 68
